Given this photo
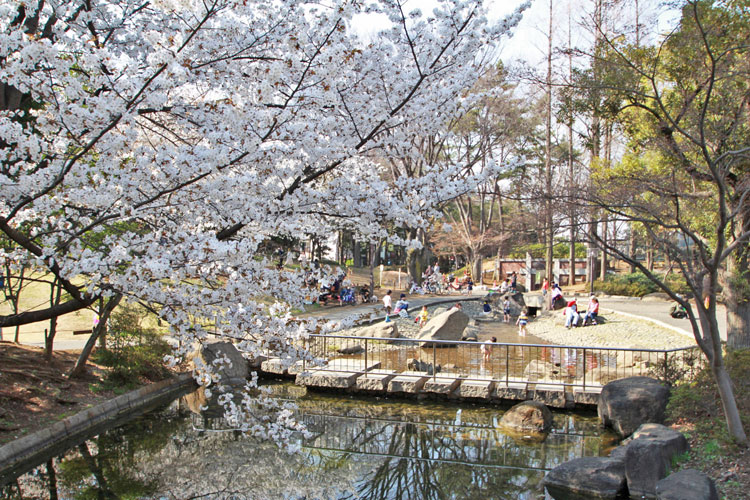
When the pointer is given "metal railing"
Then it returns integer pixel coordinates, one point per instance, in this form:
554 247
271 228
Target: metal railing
554 365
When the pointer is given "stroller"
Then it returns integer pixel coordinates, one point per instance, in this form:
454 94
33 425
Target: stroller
347 297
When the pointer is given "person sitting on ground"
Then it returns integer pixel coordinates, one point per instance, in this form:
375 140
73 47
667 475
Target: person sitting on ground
556 294
506 310
571 314
402 307
486 308
522 320
364 292
678 311
592 311
486 349
421 318
505 287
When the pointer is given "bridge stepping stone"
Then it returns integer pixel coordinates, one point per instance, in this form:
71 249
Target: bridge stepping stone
327 378
589 396
515 389
446 383
481 389
408 381
273 365
375 380
553 395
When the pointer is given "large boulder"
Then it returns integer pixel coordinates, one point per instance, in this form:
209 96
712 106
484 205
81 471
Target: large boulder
517 302
223 358
587 478
449 325
688 484
471 332
648 457
627 403
381 330
529 416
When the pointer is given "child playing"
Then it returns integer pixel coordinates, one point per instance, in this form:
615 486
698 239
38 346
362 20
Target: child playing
421 318
521 322
486 309
486 349
506 310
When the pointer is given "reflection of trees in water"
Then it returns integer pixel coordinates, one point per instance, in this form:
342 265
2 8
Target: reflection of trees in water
427 454
432 461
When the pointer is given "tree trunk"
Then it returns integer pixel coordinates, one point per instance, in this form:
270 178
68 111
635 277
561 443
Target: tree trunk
738 305
99 330
52 479
372 268
631 250
356 252
476 269
49 337
728 401
549 222
603 270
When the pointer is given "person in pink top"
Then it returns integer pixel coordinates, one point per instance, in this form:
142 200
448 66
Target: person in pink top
592 311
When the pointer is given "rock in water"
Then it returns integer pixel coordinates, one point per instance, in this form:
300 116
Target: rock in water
587 478
449 325
628 403
529 416
214 353
688 484
648 457
381 330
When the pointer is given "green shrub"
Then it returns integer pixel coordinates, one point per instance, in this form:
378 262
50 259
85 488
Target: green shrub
134 352
638 285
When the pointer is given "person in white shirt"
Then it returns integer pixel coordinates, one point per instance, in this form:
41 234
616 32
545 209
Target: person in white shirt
387 303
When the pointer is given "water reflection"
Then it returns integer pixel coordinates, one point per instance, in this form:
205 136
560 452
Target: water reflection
360 449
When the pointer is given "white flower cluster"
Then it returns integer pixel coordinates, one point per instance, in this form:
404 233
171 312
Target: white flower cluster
150 149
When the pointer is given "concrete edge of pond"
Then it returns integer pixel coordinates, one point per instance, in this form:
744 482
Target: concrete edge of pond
20 455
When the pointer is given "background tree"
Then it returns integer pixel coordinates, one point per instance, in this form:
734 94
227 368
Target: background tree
685 108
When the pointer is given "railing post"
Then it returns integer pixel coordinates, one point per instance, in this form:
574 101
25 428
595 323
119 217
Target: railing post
584 369
507 363
434 361
304 356
365 354
666 369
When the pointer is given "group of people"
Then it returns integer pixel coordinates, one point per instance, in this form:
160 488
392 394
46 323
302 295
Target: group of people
573 317
401 307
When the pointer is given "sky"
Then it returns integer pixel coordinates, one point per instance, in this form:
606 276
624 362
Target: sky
529 40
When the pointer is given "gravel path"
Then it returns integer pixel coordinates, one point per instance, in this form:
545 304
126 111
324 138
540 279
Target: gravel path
617 331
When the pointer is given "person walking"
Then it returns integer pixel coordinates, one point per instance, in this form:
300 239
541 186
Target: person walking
522 320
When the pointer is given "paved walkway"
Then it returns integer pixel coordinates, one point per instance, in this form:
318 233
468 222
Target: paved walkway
657 310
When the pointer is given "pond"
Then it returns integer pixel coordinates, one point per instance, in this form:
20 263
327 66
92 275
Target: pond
361 448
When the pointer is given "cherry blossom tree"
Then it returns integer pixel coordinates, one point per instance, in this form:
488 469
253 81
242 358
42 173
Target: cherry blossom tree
149 148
